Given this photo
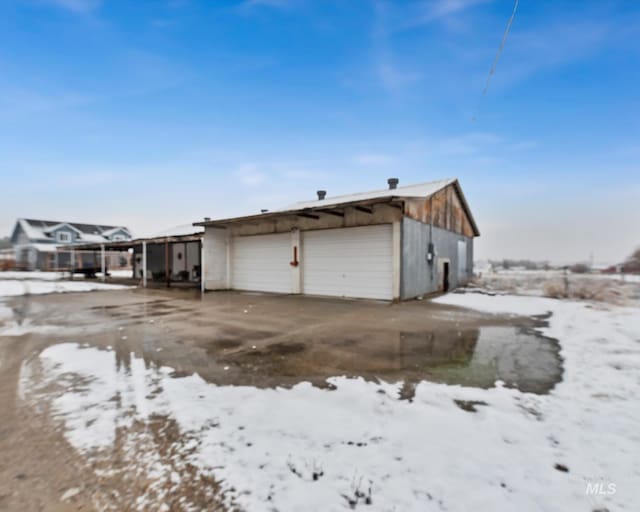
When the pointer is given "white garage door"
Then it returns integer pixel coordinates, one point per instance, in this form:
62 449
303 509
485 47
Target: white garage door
261 263
348 262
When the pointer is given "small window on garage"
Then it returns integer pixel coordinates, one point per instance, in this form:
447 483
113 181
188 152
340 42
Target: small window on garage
63 236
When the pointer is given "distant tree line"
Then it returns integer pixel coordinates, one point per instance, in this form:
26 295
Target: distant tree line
5 243
526 264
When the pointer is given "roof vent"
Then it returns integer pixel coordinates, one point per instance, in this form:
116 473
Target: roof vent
393 183
321 194
264 210
207 219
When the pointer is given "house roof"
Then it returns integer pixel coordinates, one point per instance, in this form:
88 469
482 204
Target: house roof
181 230
182 233
41 230
419 190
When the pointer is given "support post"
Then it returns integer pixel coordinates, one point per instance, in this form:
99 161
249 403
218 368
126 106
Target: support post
72 263
228 242
103 263
166 263
144 264
397 258
202 264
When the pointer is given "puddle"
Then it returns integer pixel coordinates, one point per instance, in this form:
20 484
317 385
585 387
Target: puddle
478 357
224 349
519 357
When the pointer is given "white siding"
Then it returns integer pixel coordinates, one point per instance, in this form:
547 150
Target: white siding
261 263
348 262
214 252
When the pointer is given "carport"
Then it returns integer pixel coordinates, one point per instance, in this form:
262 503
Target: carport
167 259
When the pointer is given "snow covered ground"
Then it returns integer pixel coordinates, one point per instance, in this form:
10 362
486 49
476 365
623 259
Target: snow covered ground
40 276
14 287
54 276
359 445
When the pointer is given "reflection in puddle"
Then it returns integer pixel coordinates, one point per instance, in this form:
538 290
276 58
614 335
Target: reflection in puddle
521 359
472 357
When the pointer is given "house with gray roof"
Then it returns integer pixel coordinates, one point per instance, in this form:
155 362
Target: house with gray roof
36 242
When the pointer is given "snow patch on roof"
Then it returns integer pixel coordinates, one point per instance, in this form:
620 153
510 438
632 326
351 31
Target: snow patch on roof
181 230
417 190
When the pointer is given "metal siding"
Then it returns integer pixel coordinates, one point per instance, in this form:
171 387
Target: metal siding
462 261
261 263
420 278
348 262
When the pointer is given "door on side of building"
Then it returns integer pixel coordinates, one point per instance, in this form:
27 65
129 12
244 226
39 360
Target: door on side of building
348 262
261 263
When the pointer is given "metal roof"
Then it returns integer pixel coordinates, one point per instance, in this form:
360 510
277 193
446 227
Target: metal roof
181 230
419 190
182 233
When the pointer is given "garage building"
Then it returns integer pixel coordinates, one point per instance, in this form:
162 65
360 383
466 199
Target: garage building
390 244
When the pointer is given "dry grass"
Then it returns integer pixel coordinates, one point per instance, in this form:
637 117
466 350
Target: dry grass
558 286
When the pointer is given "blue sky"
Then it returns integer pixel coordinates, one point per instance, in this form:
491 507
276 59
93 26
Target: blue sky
157 113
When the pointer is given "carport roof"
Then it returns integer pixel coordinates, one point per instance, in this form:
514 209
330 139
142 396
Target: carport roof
419 190
175 234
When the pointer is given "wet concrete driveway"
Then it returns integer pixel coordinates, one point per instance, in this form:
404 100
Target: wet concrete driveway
271 340
228 339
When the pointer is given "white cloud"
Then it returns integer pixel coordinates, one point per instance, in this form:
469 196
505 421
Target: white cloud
466 144
274 4
76 6
394 73
396 17
250 175
373 159
438 9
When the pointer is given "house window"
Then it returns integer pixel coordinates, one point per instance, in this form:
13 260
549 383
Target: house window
63 237
118 238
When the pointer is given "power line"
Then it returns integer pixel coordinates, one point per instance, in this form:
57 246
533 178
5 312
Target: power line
498 54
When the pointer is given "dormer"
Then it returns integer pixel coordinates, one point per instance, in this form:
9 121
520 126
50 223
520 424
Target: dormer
63 233
117 234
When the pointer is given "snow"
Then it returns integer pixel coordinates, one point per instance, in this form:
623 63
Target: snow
121 273
42 247
500 304
43 276
307 448
180 230
12 288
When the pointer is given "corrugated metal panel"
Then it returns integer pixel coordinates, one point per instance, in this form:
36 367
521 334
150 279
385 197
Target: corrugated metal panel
261 263
418 276
350 262
418 190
